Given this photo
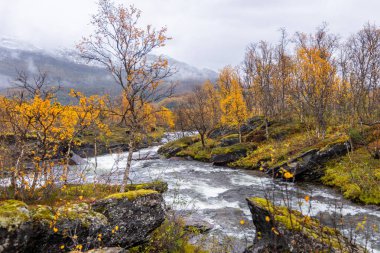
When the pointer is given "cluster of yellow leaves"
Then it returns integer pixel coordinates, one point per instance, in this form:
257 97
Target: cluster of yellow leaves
165 117
232 103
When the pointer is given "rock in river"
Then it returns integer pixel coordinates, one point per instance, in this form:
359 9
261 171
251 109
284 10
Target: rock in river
280 229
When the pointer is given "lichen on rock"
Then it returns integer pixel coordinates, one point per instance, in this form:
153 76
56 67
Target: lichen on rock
13 213
81 212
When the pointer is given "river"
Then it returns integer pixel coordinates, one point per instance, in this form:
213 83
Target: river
218 194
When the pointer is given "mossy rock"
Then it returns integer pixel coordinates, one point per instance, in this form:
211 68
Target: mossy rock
239 147
42 213
80 212
13 213
158 186
172 148
279 226
131 195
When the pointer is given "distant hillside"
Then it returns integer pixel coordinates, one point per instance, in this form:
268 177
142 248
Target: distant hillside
64 66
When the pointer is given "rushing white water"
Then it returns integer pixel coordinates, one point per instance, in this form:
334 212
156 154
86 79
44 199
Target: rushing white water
218 194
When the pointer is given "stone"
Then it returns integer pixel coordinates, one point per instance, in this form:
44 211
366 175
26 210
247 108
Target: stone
224 159
307 166
120 220
279 229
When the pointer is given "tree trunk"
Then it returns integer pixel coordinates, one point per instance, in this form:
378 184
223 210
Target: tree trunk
15 174
203 140
129 163
240 139
266 128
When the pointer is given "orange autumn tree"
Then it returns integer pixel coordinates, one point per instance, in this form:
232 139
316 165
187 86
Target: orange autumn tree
316 76
125 50
232 104
317 80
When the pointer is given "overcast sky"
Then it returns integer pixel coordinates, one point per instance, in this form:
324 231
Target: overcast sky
206 33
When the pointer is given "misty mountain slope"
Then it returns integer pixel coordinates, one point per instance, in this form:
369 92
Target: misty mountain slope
64 67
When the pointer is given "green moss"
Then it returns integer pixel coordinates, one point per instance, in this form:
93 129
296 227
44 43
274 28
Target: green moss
198 152
292 143
42 213
158 186
179 145
13 213
131 195
229 137
356 175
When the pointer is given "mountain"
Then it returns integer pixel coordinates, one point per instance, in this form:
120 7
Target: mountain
63 66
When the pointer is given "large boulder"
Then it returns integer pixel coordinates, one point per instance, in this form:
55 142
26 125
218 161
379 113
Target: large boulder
307 166
120 220
279 229
135 219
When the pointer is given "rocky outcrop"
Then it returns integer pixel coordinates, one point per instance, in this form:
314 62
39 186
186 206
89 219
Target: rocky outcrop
251 124
279 229
224 155
224 159
307 166
120 220
221 131
173 148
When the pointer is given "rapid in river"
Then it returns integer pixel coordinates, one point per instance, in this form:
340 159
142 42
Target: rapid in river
218 195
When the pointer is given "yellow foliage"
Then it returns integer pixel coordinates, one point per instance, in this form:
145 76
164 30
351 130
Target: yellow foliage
232 104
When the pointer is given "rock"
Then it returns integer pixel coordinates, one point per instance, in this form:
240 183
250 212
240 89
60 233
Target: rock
223 155
221 131
279 229
15 226
135 218
172 148
77 160
224 159
307 166
120 220
229 140
194 224
252 124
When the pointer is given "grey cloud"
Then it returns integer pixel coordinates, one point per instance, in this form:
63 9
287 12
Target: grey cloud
206 33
